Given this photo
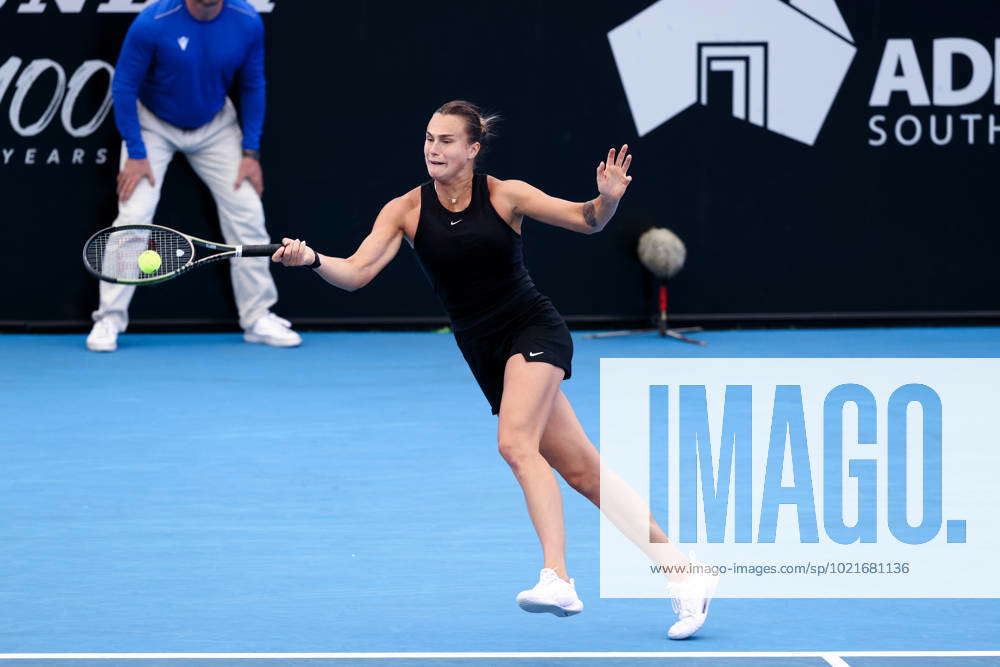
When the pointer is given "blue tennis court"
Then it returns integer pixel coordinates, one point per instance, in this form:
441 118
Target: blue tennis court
192 494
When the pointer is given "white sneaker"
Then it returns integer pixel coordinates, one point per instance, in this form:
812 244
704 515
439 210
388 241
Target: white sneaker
551 594
272 330
103 337
691 599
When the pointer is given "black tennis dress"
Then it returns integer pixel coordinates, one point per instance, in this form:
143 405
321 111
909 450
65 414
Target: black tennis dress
475 263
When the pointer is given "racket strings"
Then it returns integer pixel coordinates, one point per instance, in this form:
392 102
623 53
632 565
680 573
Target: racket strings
114 253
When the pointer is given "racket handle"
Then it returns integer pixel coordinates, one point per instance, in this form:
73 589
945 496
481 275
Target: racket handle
259 250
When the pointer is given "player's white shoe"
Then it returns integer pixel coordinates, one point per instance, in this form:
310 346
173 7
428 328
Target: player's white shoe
104 336
691 599
272 330
551 594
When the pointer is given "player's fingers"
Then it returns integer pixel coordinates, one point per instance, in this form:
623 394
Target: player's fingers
276 257
150 177
285 241
258 184
600 169
621 155
611 158
626 164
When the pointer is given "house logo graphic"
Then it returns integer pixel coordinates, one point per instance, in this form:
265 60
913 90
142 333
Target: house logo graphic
785 60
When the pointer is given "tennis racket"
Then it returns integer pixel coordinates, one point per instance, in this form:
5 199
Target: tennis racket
112 254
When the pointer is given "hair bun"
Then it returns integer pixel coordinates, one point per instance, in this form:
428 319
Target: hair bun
477 126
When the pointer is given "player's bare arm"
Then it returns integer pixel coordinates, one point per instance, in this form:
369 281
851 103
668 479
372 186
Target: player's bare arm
587 217
374 253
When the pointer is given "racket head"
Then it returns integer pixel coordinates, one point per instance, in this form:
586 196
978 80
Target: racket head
112 254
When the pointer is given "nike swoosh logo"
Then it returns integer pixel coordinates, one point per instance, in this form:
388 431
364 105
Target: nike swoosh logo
534 354
455 222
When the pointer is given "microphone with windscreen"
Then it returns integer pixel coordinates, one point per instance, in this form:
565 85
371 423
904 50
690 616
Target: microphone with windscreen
662 253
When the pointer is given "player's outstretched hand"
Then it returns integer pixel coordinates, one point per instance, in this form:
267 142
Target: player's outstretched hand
128 178
294 252
612 176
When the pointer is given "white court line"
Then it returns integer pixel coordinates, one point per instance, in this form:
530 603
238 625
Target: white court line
835 660
830 657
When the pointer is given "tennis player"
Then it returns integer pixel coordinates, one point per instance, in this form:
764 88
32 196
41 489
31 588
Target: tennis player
466 230
169 90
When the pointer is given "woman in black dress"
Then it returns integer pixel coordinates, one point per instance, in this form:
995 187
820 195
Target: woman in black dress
466 230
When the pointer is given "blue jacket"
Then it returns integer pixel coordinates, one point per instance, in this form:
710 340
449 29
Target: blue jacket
180 68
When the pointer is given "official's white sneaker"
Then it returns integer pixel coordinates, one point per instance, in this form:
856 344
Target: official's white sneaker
551 594
691 599
103 336
272 330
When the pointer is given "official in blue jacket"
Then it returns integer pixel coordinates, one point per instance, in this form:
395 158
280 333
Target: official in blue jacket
179 59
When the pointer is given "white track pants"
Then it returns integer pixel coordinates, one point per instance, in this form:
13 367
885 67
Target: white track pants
214 152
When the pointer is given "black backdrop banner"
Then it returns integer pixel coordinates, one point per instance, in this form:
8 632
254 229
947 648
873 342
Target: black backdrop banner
817 157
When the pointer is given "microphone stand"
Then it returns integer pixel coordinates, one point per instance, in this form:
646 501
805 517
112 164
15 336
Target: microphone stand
661 322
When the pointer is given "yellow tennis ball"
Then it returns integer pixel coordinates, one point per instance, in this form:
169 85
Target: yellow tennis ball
150 261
